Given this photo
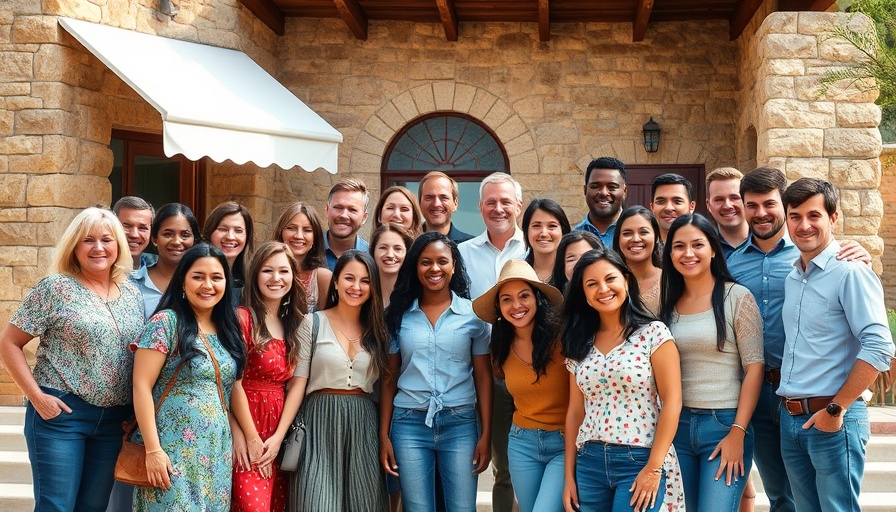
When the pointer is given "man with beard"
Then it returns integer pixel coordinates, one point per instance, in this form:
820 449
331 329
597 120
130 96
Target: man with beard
724 203
605 191
438 201
500 203
346 212
762 264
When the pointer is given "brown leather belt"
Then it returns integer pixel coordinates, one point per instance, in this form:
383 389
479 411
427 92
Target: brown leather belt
798 406
773 376
332 391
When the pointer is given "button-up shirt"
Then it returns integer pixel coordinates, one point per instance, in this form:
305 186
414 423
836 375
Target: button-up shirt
606 238
437 362
833 314
360 244
484 261
764 275
151 293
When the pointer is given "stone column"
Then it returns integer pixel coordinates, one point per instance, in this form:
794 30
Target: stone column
833 136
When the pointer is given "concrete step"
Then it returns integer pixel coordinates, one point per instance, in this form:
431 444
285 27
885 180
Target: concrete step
12 415
869 502
11 438
16 498
880 477
14 468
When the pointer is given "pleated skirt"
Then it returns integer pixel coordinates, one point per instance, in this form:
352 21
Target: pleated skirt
340 471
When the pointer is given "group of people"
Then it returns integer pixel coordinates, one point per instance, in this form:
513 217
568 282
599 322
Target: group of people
639 360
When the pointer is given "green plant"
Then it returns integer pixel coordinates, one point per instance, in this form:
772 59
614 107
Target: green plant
878 45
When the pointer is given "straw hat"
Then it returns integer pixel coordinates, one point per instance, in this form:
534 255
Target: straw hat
513 270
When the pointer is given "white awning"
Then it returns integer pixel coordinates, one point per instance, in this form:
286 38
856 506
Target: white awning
214 102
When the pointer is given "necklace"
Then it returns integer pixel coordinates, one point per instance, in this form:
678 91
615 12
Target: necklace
350 340
95 288
518 356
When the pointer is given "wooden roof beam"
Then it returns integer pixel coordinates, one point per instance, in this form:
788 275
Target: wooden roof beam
449 18
544 21
642 16
268 12
745 12
805 5
353 16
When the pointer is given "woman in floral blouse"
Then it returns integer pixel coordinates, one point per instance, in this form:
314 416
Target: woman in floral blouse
85 314
623 365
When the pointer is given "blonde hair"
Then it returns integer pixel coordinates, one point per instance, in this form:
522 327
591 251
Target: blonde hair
65 261
722 174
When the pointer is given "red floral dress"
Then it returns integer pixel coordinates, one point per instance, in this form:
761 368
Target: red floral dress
264 381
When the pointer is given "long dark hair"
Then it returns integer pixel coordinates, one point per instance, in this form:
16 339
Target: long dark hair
655 256
558 277
223 313
673 282
547 205
581 322
211 224
375 339
173 210
292 306
408 287
315 257
544 334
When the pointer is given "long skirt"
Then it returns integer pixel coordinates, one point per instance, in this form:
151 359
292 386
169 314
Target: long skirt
340 471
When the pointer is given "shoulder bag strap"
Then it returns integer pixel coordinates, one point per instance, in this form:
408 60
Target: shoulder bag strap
315 328
211 354
132 424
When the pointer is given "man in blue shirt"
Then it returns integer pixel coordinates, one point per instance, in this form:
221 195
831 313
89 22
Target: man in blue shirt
724 203
346 212
136 216
837 341
605 192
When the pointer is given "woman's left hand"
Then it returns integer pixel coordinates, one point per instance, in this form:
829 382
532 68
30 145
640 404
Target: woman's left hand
731 449
482 456
271 448
645 489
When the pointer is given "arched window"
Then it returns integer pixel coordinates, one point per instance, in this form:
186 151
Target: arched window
453 143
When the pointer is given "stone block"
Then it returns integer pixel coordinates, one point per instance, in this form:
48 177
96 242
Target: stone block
11 256
12 190
17 66
359 90
74 191
53 94
816 168
379 129
496 116
35 29
785 67
443 93
15 89
58 63
861 225
511 128
790 46
51 214
7 120
524 163
850 202
858 115
789 142
530 108
16 233
849 91
556 133
80 9
431 70
614 80
872 203
393 116
836 49
816 23
423 98
855 174
779 87
13 214
852 142
463 97
95 159
59 155
780 23
790 113
519 145
482 103
21 145
45 122
369 144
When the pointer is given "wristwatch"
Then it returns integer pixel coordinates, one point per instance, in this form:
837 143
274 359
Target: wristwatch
834 409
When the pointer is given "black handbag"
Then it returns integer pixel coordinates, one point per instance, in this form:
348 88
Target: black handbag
292 451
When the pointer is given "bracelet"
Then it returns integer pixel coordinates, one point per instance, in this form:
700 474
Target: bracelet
657 471
740 427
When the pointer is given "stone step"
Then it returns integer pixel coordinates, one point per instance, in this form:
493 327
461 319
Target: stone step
868 502
11 438
16 498
12 415
14 468
879 477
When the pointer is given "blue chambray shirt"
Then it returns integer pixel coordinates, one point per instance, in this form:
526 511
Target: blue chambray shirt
437 363
360 245
606 238
833 314
764 275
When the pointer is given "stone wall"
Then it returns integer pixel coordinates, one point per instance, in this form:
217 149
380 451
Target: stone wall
888 223
555 105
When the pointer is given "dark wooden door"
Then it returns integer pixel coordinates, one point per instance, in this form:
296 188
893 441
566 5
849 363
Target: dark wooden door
639 178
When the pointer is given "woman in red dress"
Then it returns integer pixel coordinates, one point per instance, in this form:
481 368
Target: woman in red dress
274 307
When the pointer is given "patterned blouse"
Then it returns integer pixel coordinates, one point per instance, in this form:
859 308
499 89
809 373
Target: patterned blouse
83 339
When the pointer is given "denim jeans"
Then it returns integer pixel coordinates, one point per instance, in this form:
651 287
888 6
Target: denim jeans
825 469
699 431
502 419
451 441
73 455
766 425
536 468
605 473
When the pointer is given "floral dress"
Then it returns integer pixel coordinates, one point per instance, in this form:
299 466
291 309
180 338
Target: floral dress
193 427
264 382
622 405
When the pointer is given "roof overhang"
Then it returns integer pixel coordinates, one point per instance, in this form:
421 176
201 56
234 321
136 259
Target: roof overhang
214 102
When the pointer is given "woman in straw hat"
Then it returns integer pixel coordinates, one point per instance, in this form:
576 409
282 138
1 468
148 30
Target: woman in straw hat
526 351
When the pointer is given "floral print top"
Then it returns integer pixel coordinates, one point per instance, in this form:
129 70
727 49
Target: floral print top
621 402
83 339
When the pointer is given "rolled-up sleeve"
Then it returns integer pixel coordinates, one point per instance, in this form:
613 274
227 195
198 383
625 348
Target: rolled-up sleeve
862 299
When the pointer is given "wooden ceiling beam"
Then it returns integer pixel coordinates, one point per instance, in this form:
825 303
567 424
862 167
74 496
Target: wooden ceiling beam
742 16
642 17
353 16
268 12
544 21
449 18
805 5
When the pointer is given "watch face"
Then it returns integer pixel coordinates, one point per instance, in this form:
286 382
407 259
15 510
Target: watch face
834 409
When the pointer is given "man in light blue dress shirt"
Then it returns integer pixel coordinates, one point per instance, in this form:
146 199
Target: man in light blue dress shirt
500 203
346 212
837 341
605 193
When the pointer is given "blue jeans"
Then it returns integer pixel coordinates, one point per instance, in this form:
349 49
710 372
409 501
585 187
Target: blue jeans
73 455
451 441
766 425
699 431
825 469
536 468
605 473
